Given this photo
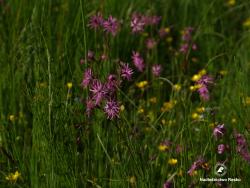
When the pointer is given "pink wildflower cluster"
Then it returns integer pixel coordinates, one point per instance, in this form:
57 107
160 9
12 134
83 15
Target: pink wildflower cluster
187 42
110 25
139 22
204 83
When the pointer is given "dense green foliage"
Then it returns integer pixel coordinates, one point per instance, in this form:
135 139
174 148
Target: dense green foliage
44 131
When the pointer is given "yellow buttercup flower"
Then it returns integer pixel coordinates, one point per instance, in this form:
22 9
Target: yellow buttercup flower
246 23
13 177
69 85
122 108
177 87
167 106
234 120
163 147
153 100
231 2
196 77
140 111
202 72
12 118
195 116
195 87
172 161
142 84
247 101
167 29
223 72
132 179
169 39
200 109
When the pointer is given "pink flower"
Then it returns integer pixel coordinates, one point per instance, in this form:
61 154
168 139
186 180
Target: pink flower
242 146
204 82
138 61
219 131
111 109
111 25
137 24
98 91
87 77
126 71
156 70
221 148
96 21
196 165
150 43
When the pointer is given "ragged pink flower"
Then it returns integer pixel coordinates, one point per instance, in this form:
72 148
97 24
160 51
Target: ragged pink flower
196 165
184 48
137 23
111 25
204 83
98 91
126 71
242 146
204 93
151 20
91 55
219 131
138 61
150 43
156 70
96 21
111 109
111 84
87 77
168 184
221 148
187 34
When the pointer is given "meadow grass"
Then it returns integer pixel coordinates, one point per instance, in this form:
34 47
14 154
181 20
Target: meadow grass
45 133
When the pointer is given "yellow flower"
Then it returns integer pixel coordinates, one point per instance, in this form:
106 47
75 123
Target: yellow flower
122 108
247 101
195 87
167 106
153 100
163 121
200 109
12 177
163 147
69 85
12 118
231 2
180 173
234 120
142 84
195 116
223 72
212 125
177 87
132 180
169 39
202 72
246 23
172 161
196 77
167 29
140 111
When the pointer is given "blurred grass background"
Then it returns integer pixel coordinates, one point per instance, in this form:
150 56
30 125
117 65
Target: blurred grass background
41 44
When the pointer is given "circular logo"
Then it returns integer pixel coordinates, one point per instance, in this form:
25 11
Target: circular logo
220 170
